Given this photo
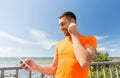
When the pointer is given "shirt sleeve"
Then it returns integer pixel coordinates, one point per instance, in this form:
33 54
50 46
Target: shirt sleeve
56 51
91 40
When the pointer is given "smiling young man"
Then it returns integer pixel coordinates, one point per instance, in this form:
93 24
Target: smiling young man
73 55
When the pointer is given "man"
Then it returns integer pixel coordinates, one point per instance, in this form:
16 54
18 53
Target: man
73 55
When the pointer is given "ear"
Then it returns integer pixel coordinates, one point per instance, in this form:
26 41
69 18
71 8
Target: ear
72 20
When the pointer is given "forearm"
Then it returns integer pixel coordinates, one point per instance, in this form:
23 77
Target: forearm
81 54
49 70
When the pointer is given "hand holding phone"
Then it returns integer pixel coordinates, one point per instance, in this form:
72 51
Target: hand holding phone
72 29
72 24
23 62
24 65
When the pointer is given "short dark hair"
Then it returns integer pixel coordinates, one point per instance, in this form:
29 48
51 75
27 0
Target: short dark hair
68 14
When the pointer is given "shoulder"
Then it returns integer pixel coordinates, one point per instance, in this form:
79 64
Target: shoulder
93 38
60 42
88 37
90 40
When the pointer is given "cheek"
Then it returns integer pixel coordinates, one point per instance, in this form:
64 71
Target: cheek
63 27
66 26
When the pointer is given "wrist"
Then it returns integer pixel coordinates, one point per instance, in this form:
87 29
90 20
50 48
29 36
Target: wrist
75 34
37 66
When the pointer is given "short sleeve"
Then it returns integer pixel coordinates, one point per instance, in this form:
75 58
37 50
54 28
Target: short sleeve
56 51
91 40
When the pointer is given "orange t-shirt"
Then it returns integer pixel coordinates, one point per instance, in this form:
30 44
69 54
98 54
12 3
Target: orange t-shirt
68 66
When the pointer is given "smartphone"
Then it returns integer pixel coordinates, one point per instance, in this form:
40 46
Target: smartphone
20 59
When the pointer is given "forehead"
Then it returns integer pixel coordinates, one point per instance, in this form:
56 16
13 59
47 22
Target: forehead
61 20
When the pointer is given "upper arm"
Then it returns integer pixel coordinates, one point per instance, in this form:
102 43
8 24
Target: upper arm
91 45
91 50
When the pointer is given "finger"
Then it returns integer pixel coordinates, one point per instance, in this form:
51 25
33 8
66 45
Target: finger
27 60
24 67
72 24
21 62
27 68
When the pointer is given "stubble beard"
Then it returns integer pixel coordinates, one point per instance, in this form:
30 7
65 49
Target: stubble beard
66 33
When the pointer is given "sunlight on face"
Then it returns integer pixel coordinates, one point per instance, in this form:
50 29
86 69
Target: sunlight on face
63 24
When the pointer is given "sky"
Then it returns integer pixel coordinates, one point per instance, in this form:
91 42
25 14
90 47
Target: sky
29 28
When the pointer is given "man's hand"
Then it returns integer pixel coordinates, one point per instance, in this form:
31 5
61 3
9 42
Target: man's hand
72 29
28 65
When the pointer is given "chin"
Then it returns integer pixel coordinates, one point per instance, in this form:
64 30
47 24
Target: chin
67 35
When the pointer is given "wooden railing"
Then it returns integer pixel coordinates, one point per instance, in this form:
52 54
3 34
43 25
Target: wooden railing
110 68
